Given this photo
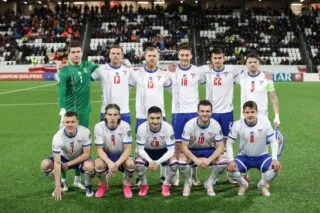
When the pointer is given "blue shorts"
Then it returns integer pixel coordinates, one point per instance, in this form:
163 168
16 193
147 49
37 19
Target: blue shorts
139 121
261 163
123 116
114 158
155 155
202 153
78 167
178 121
225 120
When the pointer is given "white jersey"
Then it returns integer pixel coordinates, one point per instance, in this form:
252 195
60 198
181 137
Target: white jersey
150 86
219 87
71 147
255 88
201 137
115 85
112 140
185 94
253 138
155 140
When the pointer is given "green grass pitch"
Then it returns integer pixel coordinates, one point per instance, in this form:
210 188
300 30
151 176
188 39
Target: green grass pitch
29 119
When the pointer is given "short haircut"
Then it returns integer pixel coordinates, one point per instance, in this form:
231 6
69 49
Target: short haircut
253 55
185 46
150 49
73 44
116 46
154 109
111 106
71 114
250 104
204 103
217 51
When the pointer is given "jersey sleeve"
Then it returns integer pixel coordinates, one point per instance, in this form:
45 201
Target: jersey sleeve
95 75
127 138
140 137
168 81
62 87
98 137
92 67
234 132
201 73
270 132
56 144
133 78
186 133
219 135
170 139
88 140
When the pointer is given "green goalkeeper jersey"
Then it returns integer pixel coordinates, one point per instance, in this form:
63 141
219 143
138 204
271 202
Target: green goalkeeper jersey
74 87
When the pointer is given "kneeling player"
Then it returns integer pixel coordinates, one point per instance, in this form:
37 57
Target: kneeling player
202 145
155 142
113 141
71 148
254 132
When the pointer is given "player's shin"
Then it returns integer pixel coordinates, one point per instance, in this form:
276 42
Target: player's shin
171 172
128 174
102 175
267 176
185 170
215 172
141 173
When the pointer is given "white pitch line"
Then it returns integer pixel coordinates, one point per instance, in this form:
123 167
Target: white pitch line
26 89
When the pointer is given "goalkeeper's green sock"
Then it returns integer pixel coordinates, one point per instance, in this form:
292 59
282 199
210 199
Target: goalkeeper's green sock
63 175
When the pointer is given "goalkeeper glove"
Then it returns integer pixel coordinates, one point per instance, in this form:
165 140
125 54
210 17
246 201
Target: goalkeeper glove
62 113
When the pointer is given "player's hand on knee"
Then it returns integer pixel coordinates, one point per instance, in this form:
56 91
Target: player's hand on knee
206 162
198 162
232 166
58 193
65 166
153 166
276 165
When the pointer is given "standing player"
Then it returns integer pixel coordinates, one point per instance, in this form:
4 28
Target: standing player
155 143
220 79
71 147
202 145
113 141
114 79
255 86
185 95
150 81
74 93
254 132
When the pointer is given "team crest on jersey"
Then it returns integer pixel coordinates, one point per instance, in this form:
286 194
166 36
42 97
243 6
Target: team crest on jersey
260 130
159 77
120 134
192 75
161 137
125 72
85 70
79 141
261 82
210 134
226 74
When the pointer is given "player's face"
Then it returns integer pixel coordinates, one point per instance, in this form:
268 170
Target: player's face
151 58
204 113
185 57
218 60
112 118
154 120
115 56
250 114
253 64
75 55
70 125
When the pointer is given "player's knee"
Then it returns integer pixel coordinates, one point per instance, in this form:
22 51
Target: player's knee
140 169
99 165
173 165
129 164
234 175
88 166
46 165
269 174
184 168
